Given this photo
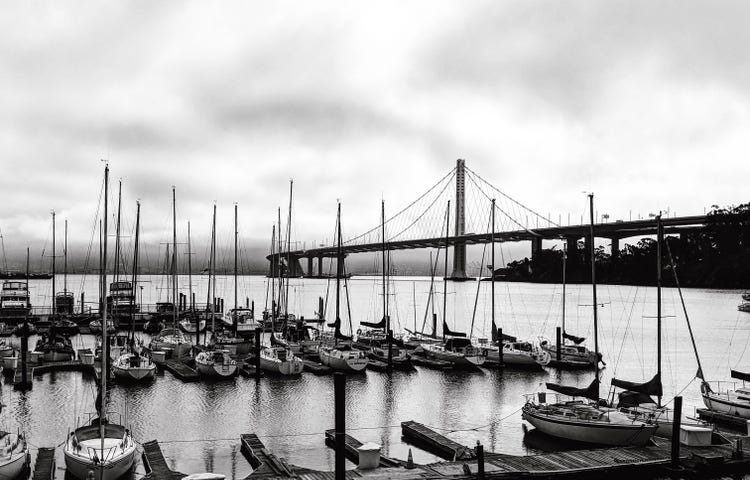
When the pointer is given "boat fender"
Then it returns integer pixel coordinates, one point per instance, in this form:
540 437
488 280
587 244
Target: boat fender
359 331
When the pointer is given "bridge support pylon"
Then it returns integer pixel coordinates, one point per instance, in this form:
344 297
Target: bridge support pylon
459 249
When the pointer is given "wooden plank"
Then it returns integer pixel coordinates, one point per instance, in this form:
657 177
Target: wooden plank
351 445
155 463
435 442
44 467
181 371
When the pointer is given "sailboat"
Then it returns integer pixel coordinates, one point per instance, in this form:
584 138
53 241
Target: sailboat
134 365
577 419
172 340
341 356
378 341
102 447
214 362
572 355
458 350
14 454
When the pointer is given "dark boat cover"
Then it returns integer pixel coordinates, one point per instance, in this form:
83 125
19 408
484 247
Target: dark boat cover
448 331
276 342
652 387
573 338
591 392
380 324
506 338
740 375
633 399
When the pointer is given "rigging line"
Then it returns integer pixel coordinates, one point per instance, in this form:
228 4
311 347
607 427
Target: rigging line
450 174
472 172
91 238
510 217
495 422
420 215
479 283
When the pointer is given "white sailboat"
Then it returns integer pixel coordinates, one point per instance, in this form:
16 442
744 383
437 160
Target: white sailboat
14 454
338 354
583 418
102 449
280 361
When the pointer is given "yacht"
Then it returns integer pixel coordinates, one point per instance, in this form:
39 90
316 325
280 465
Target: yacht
14 299
458 351
280 361
215 363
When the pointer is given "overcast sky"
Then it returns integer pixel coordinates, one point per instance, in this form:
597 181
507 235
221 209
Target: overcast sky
643 102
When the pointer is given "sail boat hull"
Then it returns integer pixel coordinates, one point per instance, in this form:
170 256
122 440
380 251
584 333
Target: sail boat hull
458 359
277 367
343 360
600 433
13 465
724 403
125 369
119 452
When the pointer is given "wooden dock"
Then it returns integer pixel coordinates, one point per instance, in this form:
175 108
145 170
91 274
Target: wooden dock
316 368
434 442
351 445
732 421
248 371
33 369
155 463
181 371
44 467
264 463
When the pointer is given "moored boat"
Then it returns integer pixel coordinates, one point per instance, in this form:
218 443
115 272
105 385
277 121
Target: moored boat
14 455
173 340
458 351
215 363
343 358
55 347
280 360
134 366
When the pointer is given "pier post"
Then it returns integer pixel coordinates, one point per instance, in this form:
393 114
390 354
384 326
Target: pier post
390 351
257 352
558 335
480 461
676 419
192 302
339 395
310 272
614 250
320 266
82 303
501 361
572 248
24 350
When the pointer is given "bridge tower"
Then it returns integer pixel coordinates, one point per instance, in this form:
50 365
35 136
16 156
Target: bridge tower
459 249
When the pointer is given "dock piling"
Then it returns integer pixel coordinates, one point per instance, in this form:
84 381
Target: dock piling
390 351
676 419
480 461
339 394
501 361
558 334
257 352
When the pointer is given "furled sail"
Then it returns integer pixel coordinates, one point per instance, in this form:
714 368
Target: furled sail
633 399
745 377
380 324
591 392
495 335
652 387
573 338
276 342
448 331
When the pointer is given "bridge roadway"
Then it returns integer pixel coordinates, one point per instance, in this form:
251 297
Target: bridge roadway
572 233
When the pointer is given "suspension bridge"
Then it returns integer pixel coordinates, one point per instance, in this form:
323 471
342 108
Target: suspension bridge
462 199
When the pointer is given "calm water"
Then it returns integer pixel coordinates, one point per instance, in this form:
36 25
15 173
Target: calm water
198 424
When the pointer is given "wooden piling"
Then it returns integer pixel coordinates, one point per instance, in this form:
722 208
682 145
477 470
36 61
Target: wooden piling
676 419
339 395
558 335
257 352
480 461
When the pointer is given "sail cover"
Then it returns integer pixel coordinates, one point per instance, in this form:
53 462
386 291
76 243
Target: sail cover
741 375
573 338
652 387
495 337
633 399
592 391
276 342
380 324
336 324
448 331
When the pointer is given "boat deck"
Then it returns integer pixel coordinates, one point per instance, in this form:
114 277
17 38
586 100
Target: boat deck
433 442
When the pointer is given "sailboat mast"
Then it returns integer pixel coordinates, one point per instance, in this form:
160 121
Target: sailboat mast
213 273
117 233
105 344
190 272
288 251
565 267
492 270
659 238
338 269
281 273
135 268
274 267
174 258
385 268
234 317
593 288
65 260
54 263
445 272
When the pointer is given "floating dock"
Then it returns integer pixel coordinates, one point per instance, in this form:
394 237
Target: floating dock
351 445
265 464
155 463
434 442
248 371
723 419
44 467
316 368
33 369
181 371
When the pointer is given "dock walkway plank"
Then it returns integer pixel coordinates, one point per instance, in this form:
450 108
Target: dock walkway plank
435 442
44 466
